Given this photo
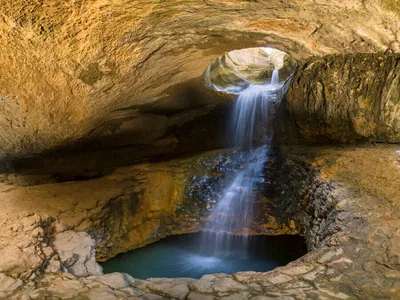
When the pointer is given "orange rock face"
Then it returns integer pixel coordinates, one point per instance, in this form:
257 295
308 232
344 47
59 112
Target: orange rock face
67 68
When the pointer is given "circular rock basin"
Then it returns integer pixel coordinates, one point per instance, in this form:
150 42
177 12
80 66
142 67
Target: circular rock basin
184 256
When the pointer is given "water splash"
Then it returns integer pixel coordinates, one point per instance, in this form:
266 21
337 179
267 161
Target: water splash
232 215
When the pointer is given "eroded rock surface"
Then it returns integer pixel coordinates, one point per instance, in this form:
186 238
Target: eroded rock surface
68 68
347 98
237 69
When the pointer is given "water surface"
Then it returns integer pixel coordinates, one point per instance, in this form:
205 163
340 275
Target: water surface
182 256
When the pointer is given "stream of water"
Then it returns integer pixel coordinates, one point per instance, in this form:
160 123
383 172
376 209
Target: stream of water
224 245
232 214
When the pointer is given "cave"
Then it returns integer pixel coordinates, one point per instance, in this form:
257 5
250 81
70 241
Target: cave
237 202
179 132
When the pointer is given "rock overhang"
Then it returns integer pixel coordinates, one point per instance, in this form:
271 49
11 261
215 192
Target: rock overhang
67 67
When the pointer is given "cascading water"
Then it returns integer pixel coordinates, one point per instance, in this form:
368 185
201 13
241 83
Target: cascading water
223 245
232 215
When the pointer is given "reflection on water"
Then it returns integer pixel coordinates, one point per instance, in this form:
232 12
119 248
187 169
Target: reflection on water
182 256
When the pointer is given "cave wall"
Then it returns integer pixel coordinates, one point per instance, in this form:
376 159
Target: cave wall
136 205
69 67
344 98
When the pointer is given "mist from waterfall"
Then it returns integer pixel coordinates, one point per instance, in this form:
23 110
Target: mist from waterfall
230 219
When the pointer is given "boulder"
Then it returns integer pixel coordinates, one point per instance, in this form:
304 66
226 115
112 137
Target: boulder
77 253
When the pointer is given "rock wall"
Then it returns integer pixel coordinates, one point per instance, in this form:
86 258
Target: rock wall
346 98
69 67
235 70
305 197
139 204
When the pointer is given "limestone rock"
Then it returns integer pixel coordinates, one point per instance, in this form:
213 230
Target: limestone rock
347 98
227 284
352 257
68 68
23 244
66 288
77 253
237 69
8 284
116 281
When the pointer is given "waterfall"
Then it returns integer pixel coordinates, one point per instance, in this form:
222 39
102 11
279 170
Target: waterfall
275 78
232 215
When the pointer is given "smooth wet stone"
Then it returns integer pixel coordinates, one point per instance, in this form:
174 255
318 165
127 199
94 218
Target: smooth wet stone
208 277
141 284
254 287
